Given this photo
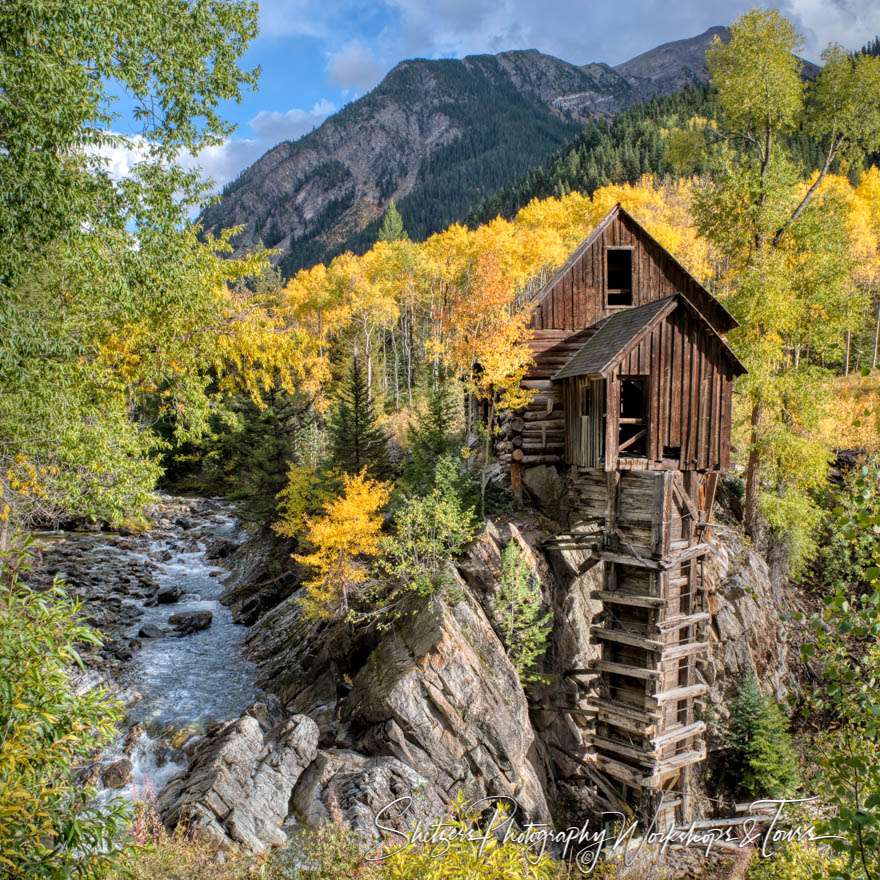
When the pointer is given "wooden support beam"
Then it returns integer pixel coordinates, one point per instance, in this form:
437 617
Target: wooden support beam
682 620
642 727
679 651
678 734
617 597
618 770
605 704
625 669
676 763
626 559
641 756
625 638
682 693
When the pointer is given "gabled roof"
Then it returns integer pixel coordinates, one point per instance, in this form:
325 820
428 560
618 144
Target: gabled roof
726 321
619 334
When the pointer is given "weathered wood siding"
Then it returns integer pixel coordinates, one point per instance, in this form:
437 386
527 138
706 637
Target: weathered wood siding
577 297
689 388
689 393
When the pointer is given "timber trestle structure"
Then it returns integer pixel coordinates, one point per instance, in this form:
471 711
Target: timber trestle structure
632 379
651 630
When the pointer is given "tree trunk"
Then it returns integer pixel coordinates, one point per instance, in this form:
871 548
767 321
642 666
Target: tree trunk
848 343
396 371
753 473
486 449
876 336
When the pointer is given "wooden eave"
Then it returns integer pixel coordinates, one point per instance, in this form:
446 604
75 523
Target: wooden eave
618 335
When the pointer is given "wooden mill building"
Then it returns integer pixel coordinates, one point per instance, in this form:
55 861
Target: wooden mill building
633 380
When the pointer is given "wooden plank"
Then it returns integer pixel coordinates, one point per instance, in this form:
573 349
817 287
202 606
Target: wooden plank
682 620
625 559
674 736
679 651
618 770
625 638
642 756
681 693
619 598
625 669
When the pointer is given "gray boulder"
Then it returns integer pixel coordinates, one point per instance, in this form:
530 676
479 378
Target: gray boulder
189 622
237 790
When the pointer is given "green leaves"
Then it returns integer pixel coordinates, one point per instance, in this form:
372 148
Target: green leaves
524 624
49 827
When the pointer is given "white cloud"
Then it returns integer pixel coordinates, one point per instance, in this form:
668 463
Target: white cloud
355 67
272 127
849 22
224 162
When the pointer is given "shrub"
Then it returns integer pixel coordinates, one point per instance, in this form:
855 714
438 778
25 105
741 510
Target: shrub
763 758
523 623
464 858
429 529
49 827
796 861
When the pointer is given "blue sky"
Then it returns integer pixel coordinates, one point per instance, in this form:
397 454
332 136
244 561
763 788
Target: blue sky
317 55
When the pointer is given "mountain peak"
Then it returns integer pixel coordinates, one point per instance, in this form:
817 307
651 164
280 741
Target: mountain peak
671 66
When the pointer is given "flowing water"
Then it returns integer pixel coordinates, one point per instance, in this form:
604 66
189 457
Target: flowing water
175 686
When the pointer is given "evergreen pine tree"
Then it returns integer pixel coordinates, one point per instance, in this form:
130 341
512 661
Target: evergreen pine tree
357 440
764 762
434 432
392 225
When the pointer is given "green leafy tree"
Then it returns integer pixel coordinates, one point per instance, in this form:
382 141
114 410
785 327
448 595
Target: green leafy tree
429 529
763 758
117 317
357 440
524 624
842 645
50 827
787 248
435 432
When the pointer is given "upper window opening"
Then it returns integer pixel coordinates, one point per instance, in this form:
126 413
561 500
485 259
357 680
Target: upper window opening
619 276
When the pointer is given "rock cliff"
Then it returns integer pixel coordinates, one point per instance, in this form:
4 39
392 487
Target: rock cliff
432 705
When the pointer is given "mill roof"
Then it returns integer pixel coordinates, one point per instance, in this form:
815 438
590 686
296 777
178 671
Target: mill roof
620 333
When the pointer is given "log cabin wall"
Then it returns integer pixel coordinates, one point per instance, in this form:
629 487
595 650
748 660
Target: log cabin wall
577 295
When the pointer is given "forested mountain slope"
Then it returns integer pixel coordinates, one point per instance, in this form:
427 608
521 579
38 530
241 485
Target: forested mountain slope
437 137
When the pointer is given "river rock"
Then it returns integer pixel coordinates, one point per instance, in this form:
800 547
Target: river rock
169 595
150 631
238 787
117 774
188 622
365 791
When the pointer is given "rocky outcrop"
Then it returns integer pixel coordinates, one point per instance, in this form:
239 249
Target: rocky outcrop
433 705
747 632
364 791
440 694
238 787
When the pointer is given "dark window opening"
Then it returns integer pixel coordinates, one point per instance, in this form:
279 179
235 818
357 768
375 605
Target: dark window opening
586 411
619 277
633 422
673 452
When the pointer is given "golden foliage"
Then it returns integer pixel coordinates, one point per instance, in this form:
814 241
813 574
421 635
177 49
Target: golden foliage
348 532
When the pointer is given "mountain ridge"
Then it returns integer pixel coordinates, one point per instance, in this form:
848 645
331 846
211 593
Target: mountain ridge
437 136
